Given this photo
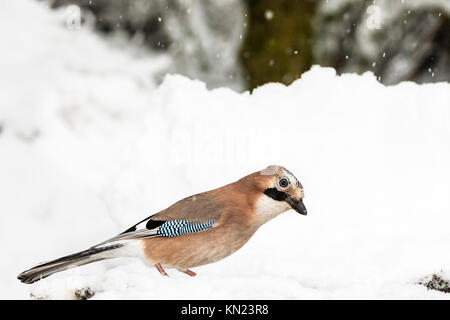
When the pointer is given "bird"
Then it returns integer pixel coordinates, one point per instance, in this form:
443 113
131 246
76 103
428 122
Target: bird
197 230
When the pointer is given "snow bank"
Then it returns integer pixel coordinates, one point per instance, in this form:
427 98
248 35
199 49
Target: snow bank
88 148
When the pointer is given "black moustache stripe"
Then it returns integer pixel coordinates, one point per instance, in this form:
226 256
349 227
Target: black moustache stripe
275 194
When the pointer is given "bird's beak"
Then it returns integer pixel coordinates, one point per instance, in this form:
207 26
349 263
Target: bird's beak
297 205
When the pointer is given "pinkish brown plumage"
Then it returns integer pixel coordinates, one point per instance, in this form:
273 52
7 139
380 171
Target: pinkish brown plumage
197 230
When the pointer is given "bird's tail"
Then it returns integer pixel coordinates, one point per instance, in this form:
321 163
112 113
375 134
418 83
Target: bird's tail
46 269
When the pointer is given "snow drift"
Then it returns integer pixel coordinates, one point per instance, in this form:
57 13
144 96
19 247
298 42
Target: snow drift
88 148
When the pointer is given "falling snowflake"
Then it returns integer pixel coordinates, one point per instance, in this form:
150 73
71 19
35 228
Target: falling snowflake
268 14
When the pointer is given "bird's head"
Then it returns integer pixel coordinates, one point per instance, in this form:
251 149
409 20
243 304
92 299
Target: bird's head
279 191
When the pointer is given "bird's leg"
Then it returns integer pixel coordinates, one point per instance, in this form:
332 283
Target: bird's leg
161 269
188 272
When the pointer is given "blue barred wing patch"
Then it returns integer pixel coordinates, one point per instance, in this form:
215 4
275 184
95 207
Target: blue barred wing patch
177 228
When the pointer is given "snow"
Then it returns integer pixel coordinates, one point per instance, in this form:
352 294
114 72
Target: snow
90 144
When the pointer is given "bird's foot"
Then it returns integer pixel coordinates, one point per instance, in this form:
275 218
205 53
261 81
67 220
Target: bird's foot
161 269
189 272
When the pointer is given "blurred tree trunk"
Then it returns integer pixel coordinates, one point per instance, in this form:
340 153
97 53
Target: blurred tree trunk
279 39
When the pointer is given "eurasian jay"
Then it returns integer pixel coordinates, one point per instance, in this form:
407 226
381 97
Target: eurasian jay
197 230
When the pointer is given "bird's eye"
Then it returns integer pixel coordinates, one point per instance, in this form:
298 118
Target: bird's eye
283 182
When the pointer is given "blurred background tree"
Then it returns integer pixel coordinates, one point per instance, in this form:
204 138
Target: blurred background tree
410 42
279 40
242 44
